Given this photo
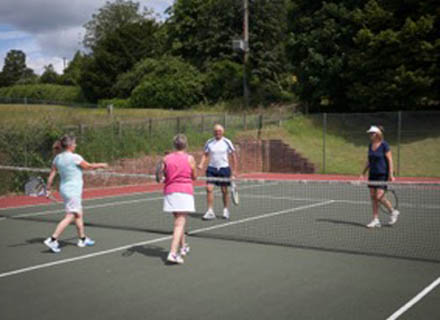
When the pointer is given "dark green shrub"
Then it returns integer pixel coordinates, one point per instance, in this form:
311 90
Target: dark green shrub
169 83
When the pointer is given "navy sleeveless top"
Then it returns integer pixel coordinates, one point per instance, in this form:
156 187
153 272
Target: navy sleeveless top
378 163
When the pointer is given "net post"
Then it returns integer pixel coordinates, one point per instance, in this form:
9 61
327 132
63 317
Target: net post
399 134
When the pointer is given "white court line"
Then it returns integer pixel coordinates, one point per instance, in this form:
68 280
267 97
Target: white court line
100 253
414 300
109 204
401 205
88 199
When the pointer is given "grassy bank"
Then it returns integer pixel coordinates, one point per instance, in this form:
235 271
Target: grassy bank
346 142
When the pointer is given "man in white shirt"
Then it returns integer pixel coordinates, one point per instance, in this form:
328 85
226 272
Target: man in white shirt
218 150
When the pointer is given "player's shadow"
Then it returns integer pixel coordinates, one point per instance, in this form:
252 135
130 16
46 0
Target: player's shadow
342 222
40 241
149 251
196 215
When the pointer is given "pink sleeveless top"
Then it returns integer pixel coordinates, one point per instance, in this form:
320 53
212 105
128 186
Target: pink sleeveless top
178 174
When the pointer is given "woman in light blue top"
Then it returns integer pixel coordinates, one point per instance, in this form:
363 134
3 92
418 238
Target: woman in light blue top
69 166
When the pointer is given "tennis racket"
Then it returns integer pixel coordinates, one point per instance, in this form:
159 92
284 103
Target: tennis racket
391 196
160 175
234 194
36 187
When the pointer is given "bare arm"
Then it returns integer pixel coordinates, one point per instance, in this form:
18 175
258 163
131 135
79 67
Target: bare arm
234 163
52 174
366 167
203 160
91 166
192 163
390 166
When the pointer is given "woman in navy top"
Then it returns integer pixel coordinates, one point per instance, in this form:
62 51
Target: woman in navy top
380 168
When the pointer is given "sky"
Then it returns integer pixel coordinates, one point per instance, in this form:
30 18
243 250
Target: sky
49 30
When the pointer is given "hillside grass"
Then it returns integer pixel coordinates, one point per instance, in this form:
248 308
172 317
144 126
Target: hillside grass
74 115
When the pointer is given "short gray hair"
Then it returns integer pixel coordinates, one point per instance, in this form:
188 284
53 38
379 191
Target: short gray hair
180 141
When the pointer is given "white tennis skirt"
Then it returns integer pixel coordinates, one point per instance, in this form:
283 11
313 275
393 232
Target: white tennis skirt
73 204
178 202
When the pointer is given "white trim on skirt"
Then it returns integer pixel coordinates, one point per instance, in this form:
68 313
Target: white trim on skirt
178 202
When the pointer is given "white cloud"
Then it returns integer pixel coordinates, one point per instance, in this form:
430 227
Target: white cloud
48 30
38 64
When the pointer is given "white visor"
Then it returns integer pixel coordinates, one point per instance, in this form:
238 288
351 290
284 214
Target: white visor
373 129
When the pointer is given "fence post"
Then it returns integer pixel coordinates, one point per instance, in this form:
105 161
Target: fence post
324 132
399 134
150 127
244 121
224 120
260 126
119 129
202 123
177 124
81 130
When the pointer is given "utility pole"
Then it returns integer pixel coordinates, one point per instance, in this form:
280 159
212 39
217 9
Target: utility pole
245 51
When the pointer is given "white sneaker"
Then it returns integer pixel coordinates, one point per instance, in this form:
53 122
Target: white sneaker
226 213
184 250
54 246
209 215
393 217
87 242
174 258
375 223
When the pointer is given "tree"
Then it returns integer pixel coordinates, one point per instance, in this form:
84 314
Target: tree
394 62
14 67
111 17
351 54
199 34
49 75
72 73
119 37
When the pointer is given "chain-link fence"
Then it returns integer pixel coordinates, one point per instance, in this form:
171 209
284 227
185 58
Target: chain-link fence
414 138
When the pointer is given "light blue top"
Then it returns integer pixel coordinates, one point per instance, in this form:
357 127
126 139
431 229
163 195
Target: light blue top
67 164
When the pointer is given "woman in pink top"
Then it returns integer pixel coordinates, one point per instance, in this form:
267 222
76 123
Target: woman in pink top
180 170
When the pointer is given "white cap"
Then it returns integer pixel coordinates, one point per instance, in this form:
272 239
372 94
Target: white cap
373 129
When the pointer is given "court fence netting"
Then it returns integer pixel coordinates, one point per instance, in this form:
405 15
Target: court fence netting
310 214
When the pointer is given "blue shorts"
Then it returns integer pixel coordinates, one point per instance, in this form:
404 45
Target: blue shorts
218 173
379 177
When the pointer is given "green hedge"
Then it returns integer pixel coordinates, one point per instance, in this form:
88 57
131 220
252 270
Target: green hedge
46 92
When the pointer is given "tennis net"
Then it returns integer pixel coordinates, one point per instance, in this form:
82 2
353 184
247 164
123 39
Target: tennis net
320 215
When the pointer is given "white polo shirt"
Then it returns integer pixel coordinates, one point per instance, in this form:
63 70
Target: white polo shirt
219 151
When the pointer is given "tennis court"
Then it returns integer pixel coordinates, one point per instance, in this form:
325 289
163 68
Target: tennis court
292 250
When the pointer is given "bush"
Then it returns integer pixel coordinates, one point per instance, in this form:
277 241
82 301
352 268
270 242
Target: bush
47 92
170 83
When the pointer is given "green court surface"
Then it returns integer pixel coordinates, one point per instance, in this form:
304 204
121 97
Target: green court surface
290 251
